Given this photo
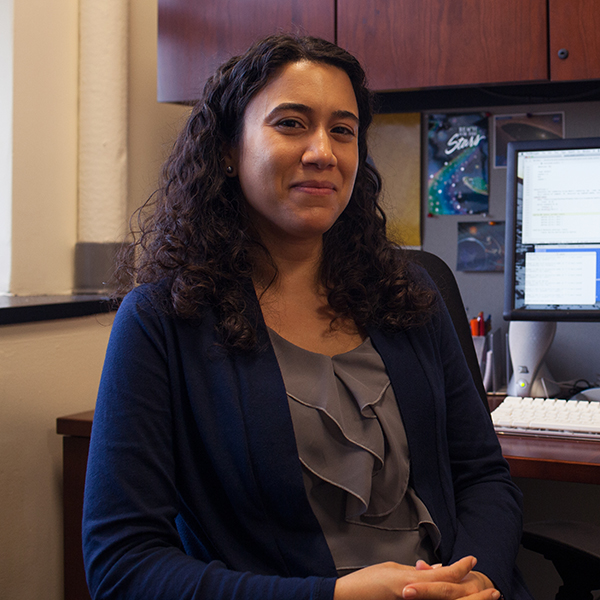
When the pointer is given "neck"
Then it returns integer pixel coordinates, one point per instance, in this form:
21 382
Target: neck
295 304
294 262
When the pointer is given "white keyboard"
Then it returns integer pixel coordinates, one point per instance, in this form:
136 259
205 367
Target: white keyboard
574 419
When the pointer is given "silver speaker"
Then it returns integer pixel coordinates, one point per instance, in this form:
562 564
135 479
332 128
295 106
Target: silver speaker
528 343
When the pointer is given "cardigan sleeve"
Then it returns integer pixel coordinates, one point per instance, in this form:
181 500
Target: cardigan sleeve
487 502
131 544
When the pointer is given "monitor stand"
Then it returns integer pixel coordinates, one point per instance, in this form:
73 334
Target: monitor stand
591 395
528 343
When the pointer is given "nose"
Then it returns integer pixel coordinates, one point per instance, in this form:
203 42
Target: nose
319 150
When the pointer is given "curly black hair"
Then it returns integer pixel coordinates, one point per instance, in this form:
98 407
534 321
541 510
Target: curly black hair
194 233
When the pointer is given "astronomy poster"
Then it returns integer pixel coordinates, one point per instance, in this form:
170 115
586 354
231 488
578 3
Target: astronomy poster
480 246
457 164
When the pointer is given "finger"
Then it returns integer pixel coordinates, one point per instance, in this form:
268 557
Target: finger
443 582
489 594
438 591
446 591
453 573
458 570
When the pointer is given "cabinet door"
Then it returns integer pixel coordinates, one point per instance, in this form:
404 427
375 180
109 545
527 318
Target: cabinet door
195 36
427 43
574 28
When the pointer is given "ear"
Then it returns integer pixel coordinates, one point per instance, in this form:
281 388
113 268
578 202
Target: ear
230 162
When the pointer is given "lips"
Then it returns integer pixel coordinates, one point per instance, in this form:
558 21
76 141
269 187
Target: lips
317 186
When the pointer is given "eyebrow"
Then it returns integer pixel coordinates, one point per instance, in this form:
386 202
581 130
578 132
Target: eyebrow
307 110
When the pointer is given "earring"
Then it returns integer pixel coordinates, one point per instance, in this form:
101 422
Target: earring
229 170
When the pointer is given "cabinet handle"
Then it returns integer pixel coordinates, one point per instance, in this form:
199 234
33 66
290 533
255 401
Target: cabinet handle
563 53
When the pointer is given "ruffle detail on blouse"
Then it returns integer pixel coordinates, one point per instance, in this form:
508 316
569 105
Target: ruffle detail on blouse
363 452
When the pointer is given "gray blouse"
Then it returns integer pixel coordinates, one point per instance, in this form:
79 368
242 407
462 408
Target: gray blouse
353 449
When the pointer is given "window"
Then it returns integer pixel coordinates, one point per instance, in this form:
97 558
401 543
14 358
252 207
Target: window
6 93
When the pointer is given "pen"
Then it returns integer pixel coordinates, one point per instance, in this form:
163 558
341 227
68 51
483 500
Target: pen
481 323
474 327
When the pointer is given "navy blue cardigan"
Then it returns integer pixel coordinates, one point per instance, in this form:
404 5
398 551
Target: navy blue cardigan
194 487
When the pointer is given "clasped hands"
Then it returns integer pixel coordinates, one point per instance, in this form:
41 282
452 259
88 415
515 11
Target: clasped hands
392 581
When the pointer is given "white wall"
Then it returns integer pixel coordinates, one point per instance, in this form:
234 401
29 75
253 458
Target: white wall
47 370
51 369
44 203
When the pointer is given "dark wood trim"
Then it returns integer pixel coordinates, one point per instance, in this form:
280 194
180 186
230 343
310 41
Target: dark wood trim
79 424
75 455
552 459
464 98
25 309
76 430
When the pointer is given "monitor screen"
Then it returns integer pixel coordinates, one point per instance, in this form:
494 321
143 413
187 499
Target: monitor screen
552 266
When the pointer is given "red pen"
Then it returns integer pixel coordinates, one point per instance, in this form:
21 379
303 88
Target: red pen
481 323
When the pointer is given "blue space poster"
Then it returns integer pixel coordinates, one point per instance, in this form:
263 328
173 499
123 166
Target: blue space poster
457 164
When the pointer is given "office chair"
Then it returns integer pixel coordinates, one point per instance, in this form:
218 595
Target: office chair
573 547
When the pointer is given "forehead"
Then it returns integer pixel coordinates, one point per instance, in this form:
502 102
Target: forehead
320 86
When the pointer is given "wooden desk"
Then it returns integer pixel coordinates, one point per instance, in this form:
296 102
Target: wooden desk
535 458
76 430
552 459
549 458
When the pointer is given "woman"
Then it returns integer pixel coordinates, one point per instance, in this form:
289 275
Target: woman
266 272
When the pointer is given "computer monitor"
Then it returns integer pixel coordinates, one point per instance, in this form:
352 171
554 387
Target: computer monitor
552 264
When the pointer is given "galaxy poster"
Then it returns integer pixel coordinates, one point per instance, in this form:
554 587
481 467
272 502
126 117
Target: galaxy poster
481 246
458 152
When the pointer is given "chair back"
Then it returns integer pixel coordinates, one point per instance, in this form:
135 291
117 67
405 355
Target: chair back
444 279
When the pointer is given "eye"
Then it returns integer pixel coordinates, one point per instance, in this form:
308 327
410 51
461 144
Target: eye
344 130
289 123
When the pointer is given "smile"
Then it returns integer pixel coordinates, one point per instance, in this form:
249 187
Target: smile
314 187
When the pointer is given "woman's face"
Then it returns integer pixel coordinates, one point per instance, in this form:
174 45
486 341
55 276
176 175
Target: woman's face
298 155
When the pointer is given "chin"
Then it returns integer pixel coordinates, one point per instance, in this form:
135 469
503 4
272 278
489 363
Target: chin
313 229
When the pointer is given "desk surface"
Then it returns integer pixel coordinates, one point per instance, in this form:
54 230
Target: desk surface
79 424
552 459
532 457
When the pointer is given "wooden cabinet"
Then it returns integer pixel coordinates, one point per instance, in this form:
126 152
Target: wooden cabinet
195 36
403 44
574 28
406 44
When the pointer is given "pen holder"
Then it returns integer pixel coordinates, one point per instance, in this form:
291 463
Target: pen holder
488 349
